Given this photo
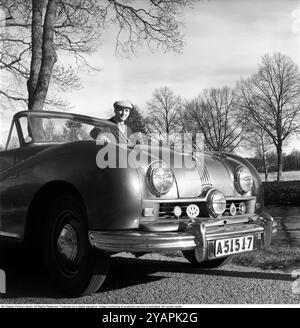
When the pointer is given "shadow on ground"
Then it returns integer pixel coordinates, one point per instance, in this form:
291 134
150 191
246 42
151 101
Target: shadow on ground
25 278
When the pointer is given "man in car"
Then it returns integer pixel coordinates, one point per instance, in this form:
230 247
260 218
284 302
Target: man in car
122 110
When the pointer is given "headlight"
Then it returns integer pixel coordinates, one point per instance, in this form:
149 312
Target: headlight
216 203
159 178
243 180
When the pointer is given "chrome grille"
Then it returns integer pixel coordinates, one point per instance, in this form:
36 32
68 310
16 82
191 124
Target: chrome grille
203 173
166 209
205 178
237 204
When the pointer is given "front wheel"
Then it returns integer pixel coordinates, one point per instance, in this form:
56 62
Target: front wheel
209 264
75 267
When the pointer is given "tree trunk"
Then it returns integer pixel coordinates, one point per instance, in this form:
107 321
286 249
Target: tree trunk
279 161
266 173
38 7
48 57
42 59
265 166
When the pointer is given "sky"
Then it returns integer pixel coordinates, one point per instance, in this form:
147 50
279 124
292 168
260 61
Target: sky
224 41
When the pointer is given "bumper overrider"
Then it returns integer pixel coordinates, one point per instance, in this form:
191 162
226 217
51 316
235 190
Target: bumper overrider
198 234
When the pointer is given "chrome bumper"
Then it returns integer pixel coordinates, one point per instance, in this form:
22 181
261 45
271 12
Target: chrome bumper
197 235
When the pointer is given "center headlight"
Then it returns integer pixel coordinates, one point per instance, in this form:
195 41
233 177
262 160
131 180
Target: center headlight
243 180
216 203
159 178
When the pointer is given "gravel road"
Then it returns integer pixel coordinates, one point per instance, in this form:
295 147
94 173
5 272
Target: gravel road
156 279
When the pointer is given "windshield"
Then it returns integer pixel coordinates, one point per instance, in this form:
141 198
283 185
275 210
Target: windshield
60 129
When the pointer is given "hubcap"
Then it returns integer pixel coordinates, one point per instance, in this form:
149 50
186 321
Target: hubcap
67 244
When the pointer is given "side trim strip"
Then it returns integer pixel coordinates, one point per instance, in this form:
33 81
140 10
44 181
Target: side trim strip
10 235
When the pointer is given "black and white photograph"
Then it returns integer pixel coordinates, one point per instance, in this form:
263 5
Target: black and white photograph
149 155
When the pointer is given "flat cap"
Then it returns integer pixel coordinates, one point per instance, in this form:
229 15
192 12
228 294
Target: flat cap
123 103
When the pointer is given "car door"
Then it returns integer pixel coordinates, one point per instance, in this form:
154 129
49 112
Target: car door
8 156
8 178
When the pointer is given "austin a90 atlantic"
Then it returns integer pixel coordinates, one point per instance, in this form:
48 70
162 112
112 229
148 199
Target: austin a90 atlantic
59 200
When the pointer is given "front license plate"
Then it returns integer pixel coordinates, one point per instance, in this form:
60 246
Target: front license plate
233 245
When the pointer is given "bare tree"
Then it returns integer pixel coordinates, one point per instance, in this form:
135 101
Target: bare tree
136 120
38 31
164 114
214 113
259 141
43 52
271 99
17 51
15 57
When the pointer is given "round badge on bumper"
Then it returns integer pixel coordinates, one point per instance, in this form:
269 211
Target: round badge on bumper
232 209
192 211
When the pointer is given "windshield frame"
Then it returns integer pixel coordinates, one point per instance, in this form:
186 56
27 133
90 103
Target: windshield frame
92 121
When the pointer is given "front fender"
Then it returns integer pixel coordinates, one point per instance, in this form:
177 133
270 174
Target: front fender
112 197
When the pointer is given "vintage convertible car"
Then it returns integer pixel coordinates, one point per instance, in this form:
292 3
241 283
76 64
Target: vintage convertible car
57 199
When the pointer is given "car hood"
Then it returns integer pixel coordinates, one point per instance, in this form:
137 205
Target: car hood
204 170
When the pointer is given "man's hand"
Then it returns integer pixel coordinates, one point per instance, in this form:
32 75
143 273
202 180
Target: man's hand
102 139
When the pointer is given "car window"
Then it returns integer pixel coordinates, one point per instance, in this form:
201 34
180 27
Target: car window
14 139
51 129
58 129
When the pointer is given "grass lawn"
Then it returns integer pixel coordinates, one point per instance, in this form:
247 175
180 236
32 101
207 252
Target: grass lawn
280 255
283 257
286 176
